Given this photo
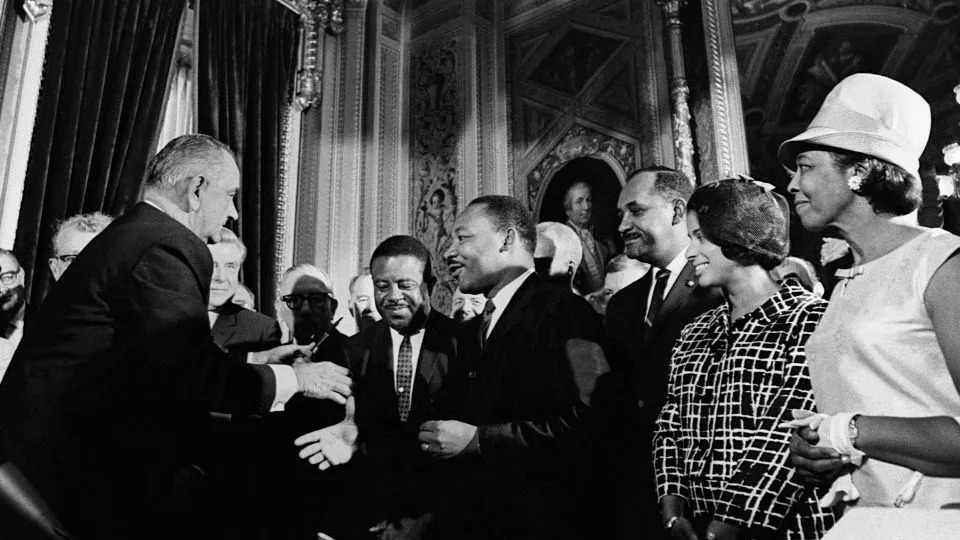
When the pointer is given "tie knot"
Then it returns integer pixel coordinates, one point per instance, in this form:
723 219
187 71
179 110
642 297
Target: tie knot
489 308
663 274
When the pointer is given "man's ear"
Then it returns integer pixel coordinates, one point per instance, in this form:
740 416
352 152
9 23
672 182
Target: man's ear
195 185
509 241
679 211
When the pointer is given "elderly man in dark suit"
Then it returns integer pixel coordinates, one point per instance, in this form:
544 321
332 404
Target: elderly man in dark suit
522 438
235 329
105 406
643 321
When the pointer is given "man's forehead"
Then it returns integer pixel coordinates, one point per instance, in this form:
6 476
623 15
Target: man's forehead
473 218
8 263
73 240
639 189
224 252
307 284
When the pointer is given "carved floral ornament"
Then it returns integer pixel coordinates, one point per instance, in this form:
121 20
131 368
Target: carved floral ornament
37 9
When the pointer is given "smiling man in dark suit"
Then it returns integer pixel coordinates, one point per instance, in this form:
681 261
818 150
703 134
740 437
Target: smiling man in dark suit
521 440
105 406
643 320
401 364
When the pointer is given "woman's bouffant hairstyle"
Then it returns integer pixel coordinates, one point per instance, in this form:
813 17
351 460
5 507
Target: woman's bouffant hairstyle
747 220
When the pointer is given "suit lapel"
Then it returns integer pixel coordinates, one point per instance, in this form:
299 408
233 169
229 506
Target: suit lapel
224 328
681 289
513 312
430 351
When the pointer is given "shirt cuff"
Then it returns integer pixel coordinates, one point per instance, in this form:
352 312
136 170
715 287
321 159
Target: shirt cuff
286 386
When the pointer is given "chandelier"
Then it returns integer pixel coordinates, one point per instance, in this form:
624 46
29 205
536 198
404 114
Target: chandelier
316 15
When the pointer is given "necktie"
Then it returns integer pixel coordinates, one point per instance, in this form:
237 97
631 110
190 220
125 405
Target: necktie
404 378
657 300
485 319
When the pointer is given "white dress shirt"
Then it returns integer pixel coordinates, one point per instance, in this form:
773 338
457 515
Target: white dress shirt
416 343
503 297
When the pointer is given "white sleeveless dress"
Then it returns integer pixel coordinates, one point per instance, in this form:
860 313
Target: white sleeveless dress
876 353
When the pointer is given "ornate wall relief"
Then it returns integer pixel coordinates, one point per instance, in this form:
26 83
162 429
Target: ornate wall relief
436 115
580 141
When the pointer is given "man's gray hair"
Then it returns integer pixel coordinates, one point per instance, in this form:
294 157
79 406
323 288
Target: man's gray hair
94 222
230 238
185 157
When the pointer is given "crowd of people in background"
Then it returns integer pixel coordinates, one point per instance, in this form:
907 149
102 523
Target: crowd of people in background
696 385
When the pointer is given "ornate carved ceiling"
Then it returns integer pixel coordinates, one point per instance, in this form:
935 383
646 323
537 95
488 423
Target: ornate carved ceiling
792 52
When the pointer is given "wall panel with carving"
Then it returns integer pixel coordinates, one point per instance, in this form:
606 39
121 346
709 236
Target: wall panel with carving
436 149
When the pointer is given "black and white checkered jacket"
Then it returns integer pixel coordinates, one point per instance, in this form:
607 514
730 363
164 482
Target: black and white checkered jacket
717 443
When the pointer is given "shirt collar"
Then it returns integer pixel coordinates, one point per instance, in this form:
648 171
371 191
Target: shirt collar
502 299
155 205
676 265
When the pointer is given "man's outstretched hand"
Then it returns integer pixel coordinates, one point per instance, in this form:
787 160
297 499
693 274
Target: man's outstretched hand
332 445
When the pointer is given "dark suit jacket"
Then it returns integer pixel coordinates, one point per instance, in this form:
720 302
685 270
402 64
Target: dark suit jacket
106 399
402 479
240 331
643 361
531 392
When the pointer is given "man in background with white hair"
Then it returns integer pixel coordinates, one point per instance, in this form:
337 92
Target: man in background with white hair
558 254
72 235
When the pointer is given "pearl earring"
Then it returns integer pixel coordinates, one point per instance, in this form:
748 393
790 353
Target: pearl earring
854 183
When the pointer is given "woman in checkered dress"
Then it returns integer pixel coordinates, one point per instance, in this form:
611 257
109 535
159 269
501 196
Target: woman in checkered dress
723 468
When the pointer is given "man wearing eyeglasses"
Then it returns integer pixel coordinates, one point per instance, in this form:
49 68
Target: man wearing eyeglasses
12 307
72 235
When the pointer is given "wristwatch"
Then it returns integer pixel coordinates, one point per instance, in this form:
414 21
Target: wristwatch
671 522
852 431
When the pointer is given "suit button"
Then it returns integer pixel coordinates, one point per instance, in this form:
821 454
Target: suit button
640 403
472 374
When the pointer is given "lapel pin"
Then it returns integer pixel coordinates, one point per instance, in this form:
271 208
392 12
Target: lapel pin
690 283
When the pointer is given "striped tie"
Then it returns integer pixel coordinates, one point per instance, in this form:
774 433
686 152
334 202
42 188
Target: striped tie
657 300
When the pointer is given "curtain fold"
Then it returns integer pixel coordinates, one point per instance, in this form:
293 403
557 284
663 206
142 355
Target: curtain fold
247 60
101 99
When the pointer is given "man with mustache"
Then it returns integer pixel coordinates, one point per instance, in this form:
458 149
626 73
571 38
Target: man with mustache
643 320
401 365
12 307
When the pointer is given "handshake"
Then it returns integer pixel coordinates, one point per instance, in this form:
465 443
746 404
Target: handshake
318 380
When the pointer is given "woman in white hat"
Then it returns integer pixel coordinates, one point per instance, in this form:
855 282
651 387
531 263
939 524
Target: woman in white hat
885 360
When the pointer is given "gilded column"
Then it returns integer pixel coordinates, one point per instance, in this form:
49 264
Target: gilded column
679 92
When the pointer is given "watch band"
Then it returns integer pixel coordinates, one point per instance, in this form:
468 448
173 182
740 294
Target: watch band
671 522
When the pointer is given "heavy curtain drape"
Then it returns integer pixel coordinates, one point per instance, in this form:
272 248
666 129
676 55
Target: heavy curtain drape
104 80
247 60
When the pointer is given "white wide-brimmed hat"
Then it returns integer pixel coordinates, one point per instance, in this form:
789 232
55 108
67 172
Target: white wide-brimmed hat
872 115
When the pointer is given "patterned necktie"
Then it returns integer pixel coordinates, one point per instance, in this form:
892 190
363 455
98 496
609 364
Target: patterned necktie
485 319
657 300
404 378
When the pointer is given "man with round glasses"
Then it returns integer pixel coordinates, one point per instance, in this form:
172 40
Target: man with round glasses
12 307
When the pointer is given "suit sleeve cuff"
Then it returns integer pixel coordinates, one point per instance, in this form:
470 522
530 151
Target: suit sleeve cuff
286 386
